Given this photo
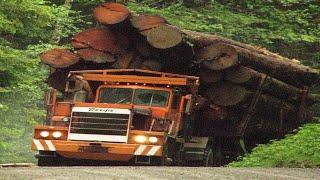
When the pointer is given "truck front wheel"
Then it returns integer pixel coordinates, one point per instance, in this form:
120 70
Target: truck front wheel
46 161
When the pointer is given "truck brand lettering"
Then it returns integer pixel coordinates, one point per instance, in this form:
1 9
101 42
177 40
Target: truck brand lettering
100 110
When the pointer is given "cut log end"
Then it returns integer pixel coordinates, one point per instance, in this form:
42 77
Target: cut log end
218 56
59 58
102 39
111 13
164 37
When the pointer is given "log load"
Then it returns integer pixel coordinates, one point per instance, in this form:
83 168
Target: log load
262 60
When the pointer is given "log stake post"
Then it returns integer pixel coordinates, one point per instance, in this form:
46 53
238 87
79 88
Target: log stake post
301 108
245 120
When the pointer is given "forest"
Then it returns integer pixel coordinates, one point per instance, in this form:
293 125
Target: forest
30 27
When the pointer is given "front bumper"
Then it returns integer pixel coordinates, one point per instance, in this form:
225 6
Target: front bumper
96 150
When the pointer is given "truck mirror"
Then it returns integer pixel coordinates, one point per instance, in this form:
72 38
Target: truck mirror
49 97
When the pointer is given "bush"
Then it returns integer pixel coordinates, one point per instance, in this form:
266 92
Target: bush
296 150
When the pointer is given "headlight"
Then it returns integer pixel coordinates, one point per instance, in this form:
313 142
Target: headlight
140 139
44 134
153 139
57 134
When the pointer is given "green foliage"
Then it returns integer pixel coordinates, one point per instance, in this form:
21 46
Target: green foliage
24 22
297 150
27 27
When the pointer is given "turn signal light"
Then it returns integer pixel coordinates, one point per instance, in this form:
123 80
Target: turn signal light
153 140
57 134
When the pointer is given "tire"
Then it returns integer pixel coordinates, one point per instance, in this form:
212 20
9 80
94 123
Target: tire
47 161
208 160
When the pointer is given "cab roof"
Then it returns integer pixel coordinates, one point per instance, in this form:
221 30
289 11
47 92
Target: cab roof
136 76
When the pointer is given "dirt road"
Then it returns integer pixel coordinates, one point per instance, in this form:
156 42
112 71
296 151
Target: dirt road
176 173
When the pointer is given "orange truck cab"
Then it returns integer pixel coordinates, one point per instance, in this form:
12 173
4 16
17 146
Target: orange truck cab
123 115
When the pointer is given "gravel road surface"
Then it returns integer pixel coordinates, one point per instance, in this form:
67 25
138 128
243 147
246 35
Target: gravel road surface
140 172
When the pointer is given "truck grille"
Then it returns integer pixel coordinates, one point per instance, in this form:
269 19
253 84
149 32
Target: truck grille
99 123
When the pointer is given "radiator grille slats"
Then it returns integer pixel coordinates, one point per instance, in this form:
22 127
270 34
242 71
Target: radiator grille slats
99 123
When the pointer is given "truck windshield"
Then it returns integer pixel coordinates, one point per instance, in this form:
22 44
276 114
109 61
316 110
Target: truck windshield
145 97
116 95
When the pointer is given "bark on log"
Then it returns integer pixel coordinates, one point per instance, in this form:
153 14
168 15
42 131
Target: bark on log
111 13
251 78
209 76
164 37
262 60
101 39
147 22
95 56
226 94
59 58
217 56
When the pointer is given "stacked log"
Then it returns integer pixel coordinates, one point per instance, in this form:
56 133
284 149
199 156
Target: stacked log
230 72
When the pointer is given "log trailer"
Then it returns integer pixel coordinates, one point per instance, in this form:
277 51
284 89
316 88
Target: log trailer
138 116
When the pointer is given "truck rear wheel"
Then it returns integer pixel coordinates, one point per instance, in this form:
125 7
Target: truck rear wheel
208 160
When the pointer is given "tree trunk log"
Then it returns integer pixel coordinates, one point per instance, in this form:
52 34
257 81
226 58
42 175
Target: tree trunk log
59 58
111 13
226 94
251 78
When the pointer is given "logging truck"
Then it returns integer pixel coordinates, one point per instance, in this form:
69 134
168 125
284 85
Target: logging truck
138 116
